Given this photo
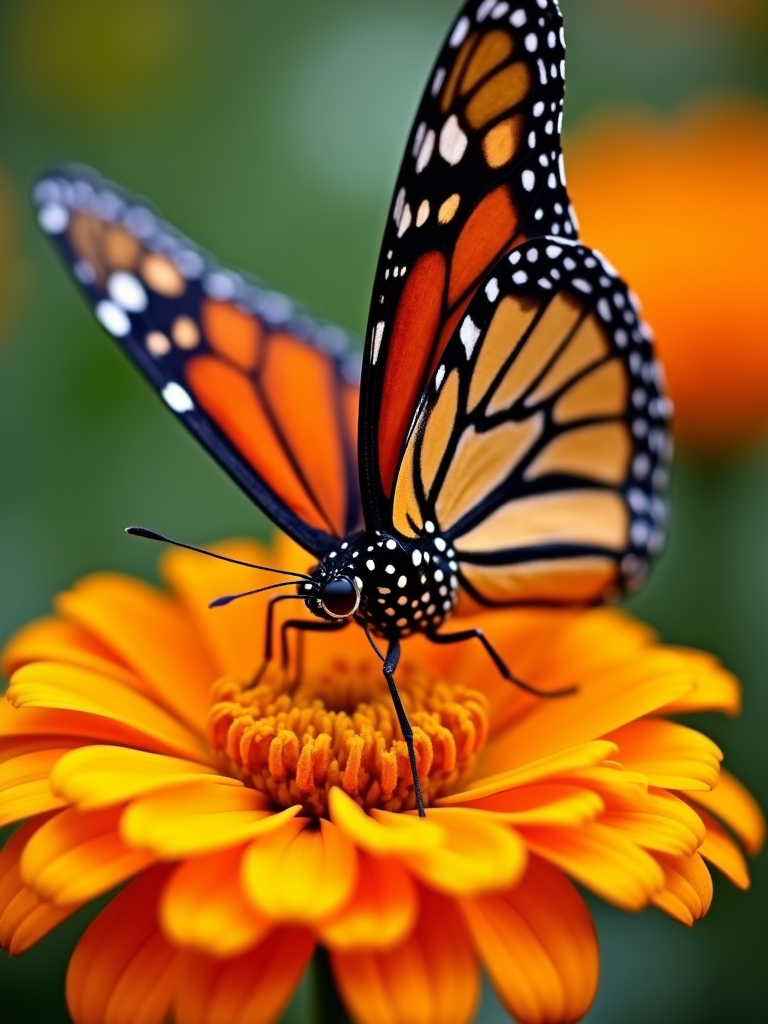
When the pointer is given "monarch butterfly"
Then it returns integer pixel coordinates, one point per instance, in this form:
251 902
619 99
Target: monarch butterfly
509 423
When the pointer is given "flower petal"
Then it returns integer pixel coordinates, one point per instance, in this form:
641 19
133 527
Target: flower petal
199 818
24 917
151 635
721 850
736 806
47 684
715 689
585 755
123 971
539 947
381 912
670 755
101 776
53 639
479 854
687 893
301 874
603 860
663 822
23 730
431 977
24 788
78 855
553 803
603 703
250 989
394 838
203 907
235 635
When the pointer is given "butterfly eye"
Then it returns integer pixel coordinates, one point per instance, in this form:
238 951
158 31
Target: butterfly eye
340 597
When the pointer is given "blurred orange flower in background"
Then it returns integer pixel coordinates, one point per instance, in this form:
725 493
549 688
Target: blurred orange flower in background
681 205
257 821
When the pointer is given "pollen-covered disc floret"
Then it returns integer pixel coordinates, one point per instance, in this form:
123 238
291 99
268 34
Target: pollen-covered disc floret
338 728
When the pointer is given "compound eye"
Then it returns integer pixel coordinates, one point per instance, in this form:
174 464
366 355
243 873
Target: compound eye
340 597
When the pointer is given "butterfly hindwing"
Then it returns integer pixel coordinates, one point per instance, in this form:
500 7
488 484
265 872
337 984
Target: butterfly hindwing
269 392
540 449
482 172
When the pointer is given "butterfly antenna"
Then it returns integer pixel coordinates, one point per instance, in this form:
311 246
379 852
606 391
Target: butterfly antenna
142 531
228 598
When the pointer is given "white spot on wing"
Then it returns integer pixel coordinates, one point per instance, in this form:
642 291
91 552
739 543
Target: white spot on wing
518 18
439 376
378 333
492 289
113 318
405 221
528 179
453 141
425 151
469 334
459 33
53 218
177 398
127 291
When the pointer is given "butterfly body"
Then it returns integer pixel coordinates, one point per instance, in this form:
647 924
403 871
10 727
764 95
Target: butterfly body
401 587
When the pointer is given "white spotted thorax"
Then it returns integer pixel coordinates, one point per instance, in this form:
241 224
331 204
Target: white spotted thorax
404 586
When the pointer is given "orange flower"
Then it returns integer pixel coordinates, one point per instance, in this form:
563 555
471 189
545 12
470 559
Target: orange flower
259 821
682 207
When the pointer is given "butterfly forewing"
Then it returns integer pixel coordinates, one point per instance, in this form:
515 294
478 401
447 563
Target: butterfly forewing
271 393
539 451
482 172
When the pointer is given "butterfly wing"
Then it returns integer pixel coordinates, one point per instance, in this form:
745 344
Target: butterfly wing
270 393
482 172
540 448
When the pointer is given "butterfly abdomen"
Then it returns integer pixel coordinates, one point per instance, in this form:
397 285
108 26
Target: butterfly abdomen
404 587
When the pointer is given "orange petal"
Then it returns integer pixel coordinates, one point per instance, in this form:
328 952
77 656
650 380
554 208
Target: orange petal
123 971
585 755
394 838
539 946
203 907
602 704
687 893
101 776
151 635
662 823
381 912
553 803
78 855
24 917
199 818
46 684
480 854
721 850
234 635
250 989
603 860
54 639
432 977
300 873
715 688
23 730
24 788
736 806
670 755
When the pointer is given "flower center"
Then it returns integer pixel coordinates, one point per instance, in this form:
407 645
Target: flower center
338 728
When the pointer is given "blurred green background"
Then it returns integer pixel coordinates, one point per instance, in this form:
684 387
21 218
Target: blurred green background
271 133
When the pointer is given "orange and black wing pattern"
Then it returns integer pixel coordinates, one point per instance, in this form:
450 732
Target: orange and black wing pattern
272 394
539 453
482 172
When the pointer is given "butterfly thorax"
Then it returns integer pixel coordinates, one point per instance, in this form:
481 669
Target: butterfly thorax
391 585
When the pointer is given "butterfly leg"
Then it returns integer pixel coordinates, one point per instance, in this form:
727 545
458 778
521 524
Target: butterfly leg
390 664
301 626
478 634
268 644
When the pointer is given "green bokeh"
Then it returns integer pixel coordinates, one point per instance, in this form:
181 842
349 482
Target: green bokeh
271 133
